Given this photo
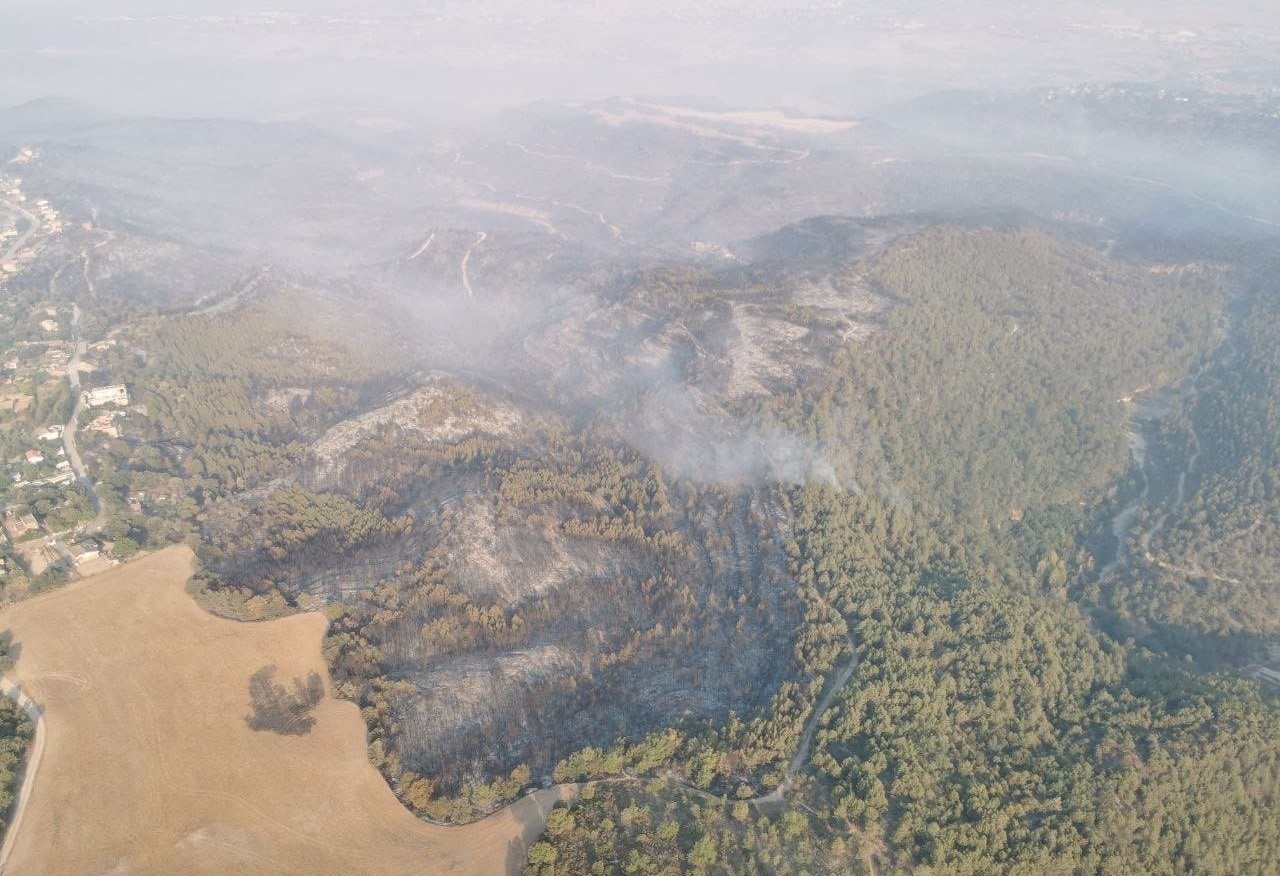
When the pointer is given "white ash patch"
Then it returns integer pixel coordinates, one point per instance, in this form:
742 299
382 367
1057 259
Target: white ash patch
278 401
436 412
765 351
509 563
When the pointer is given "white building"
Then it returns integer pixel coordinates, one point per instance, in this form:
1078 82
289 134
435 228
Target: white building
106 395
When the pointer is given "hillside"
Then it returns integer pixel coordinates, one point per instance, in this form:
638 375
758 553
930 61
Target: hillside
778 492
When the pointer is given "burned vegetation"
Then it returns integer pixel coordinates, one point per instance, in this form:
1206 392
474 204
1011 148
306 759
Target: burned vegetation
283 709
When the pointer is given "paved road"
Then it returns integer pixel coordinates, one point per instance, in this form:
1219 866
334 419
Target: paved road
69 431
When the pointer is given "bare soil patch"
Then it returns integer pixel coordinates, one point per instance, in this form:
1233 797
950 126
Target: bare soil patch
152 763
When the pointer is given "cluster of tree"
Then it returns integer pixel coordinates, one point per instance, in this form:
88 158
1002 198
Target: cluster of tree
225 403
471 800
992 386
594 491
231 398
293 519
16 731
1045 336
61 509
51 402
579 497
279 340
987 726
651 829
985 730
672 596
1215 565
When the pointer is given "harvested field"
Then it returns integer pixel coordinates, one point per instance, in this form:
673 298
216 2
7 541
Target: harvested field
150 766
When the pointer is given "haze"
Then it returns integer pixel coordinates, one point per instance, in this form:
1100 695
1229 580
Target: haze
465 57
727 438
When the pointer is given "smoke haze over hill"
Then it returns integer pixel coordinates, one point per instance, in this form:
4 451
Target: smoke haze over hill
205 58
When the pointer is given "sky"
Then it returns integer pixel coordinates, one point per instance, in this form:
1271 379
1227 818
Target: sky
201 58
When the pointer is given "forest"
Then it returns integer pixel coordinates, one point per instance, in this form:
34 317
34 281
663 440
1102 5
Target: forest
851 477
988 725
909 665
1214 571
992 387
983 730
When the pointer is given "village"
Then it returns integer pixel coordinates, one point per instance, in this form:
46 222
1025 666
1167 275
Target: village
22 220
46 532
51 516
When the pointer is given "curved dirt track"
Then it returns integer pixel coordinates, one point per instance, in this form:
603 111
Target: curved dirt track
150 767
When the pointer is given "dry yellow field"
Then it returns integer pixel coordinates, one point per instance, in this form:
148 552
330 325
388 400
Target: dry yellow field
149 766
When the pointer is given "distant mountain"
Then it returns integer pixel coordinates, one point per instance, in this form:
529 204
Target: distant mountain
51 116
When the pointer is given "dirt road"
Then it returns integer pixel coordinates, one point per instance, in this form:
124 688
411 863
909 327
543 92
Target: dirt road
466 257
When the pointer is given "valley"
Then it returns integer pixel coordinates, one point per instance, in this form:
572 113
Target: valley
715 490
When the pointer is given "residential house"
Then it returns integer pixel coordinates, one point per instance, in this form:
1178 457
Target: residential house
84 551
18 523
105 395
105 423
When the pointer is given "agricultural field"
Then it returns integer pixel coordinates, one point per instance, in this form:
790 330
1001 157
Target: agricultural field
148 761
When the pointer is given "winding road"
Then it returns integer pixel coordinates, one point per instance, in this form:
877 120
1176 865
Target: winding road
1227 353
587 163
238 294
838 682
78 348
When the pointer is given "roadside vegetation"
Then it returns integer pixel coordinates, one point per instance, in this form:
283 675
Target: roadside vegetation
16 733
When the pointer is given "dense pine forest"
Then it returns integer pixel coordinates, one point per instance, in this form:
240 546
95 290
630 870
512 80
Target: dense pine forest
989 724
927 666
812 507
1214 543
